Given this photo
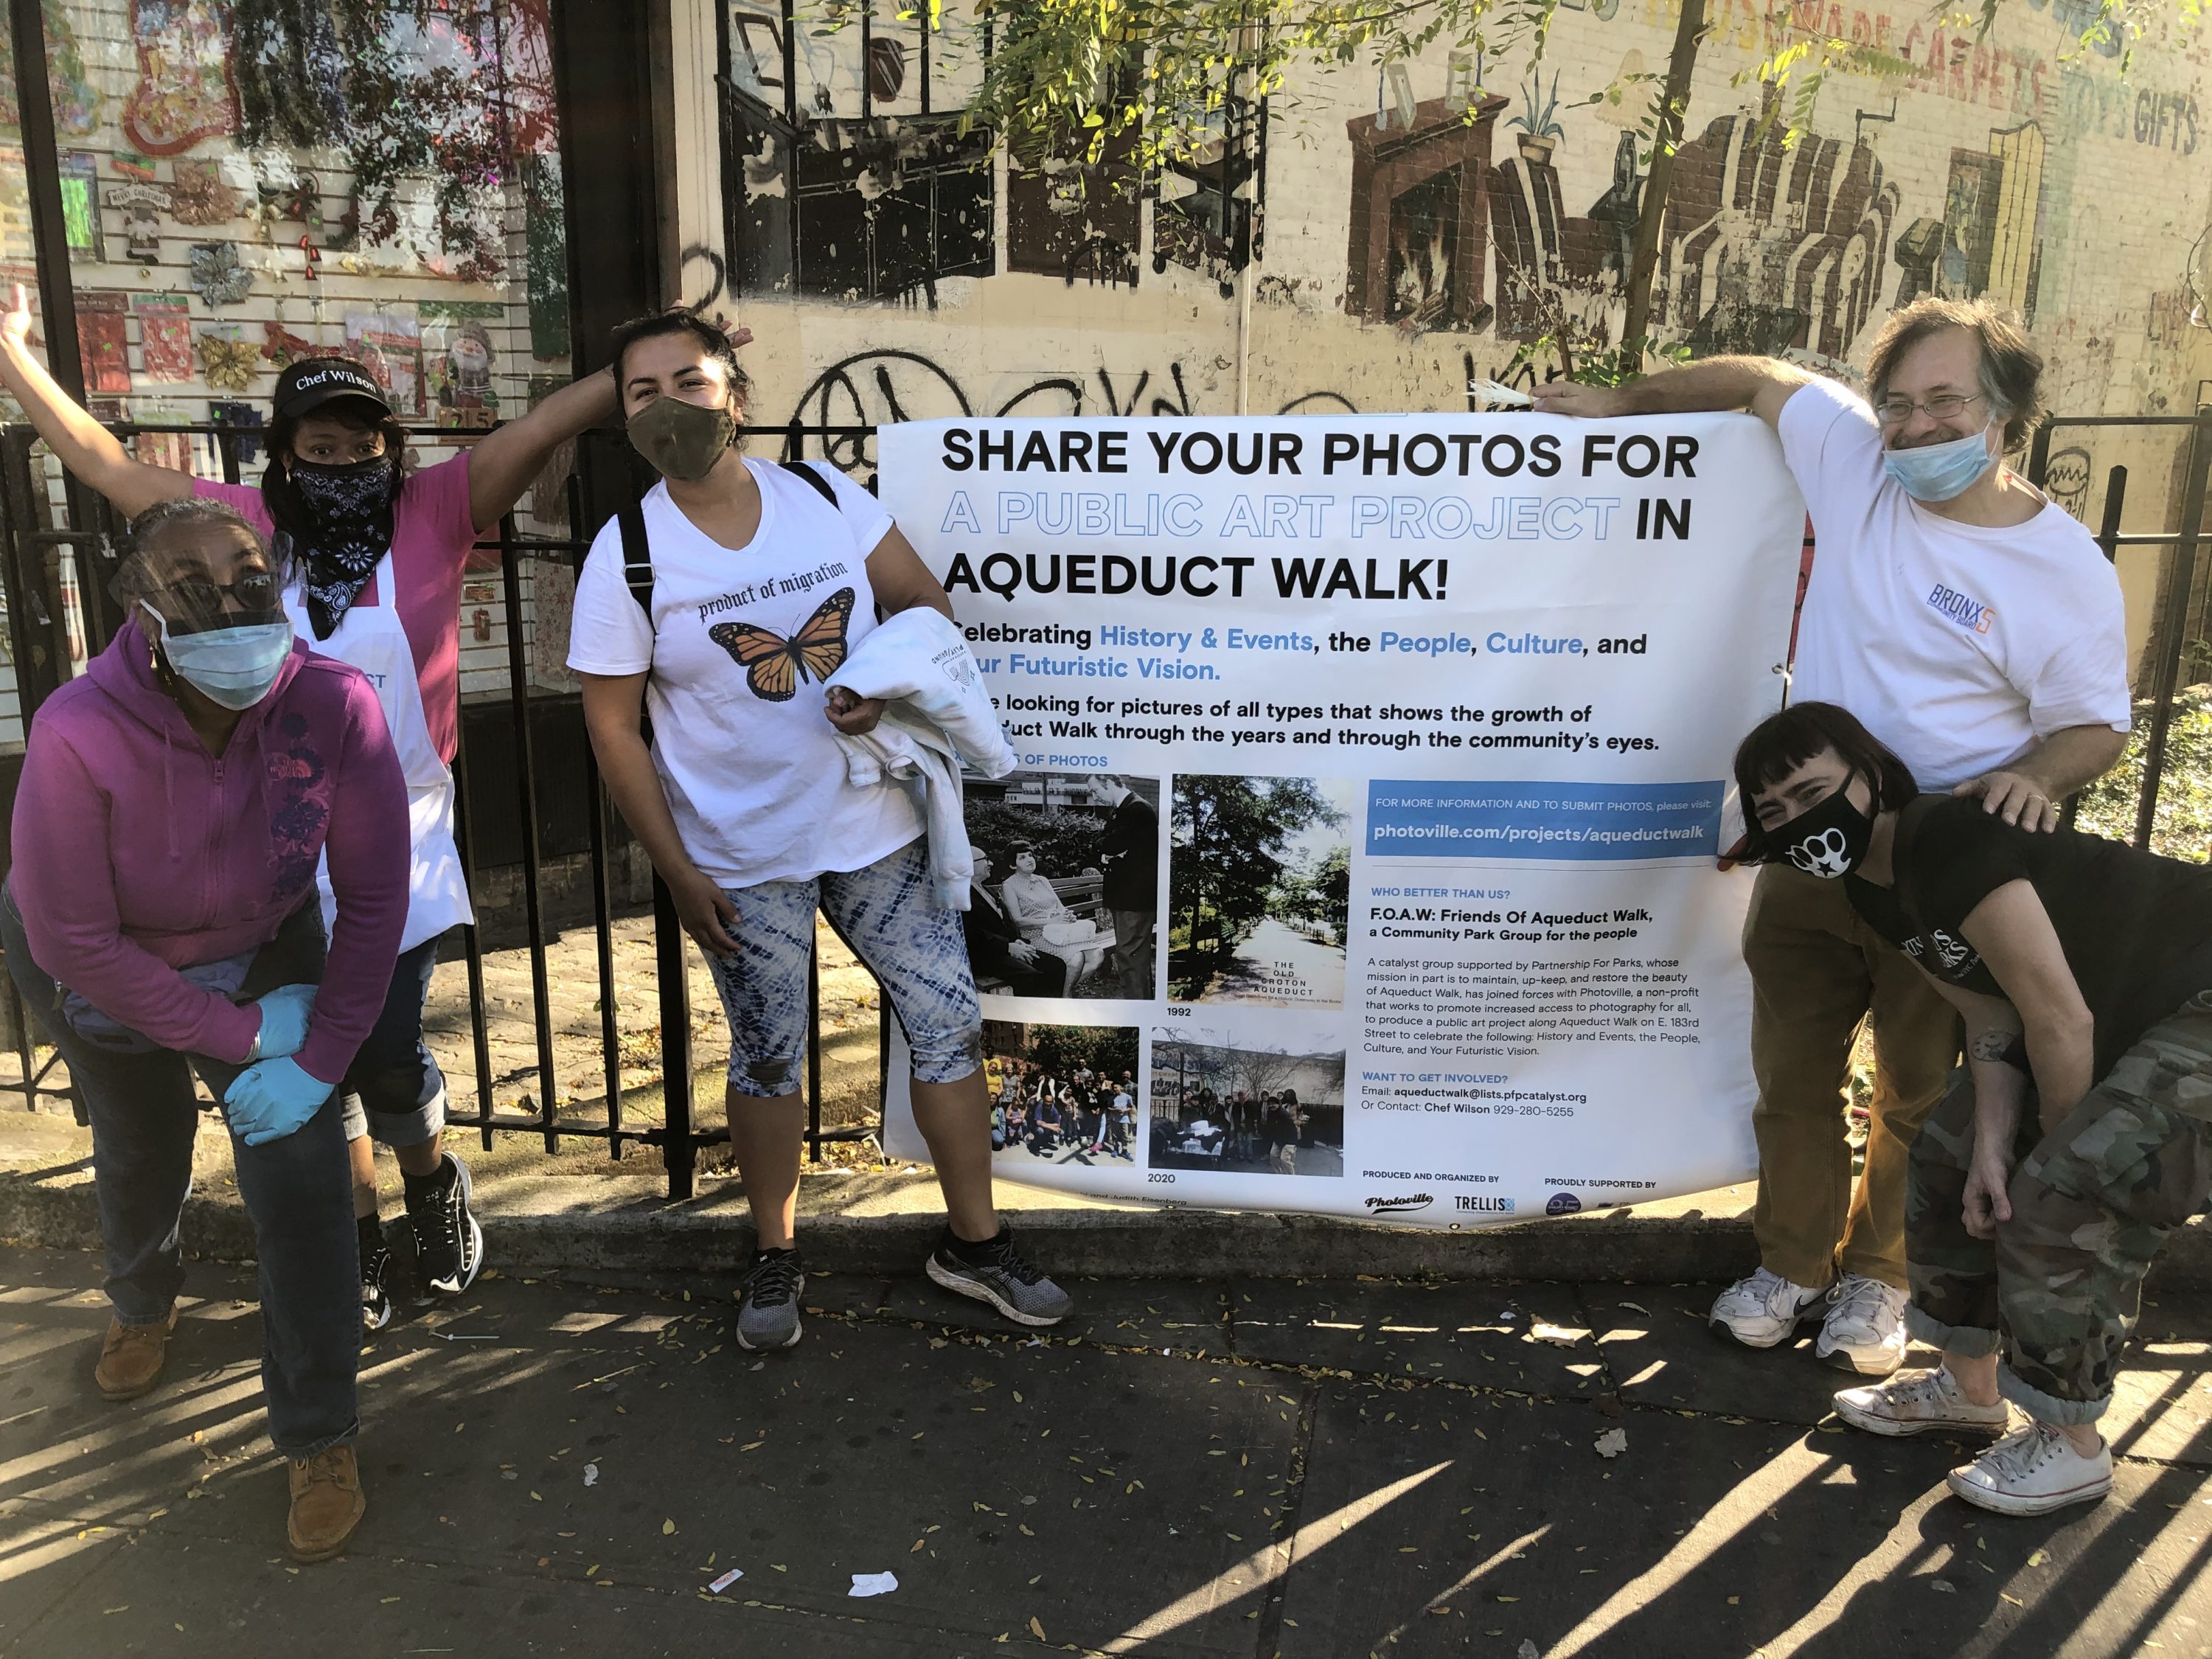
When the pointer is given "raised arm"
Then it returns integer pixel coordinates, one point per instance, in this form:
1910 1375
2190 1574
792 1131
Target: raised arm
86 449
503 464
1761 385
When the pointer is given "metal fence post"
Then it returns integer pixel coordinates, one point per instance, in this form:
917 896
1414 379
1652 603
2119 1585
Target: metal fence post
680 1149
2173 623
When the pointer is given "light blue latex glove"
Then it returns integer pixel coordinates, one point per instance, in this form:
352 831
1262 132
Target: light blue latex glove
284 1014
270 1099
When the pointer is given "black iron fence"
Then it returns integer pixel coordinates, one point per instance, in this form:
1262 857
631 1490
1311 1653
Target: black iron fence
58 560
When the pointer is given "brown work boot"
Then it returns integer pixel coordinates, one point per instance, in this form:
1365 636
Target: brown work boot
326 1504
130 1358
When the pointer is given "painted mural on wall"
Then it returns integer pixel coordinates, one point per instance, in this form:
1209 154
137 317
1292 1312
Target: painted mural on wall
1382 239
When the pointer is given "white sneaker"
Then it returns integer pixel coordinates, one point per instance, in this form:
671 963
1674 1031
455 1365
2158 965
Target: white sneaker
1913 1403
1864 1330
2034 1473
1763 1310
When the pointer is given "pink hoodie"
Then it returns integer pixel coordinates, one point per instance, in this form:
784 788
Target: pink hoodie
136 851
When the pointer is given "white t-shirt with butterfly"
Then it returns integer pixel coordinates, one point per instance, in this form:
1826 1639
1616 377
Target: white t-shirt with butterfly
740 643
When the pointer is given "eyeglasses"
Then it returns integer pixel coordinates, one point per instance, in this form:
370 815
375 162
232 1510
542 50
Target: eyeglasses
1896 411
192 602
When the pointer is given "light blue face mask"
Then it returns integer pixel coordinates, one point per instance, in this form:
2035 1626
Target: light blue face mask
1938 472
233 666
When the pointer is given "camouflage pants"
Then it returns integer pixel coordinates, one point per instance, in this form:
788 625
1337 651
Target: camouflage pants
2060 1287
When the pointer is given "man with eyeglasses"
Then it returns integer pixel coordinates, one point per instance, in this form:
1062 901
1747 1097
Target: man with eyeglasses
1976 629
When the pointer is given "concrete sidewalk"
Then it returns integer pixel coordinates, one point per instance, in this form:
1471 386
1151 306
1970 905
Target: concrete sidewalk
578 1209
1203 1467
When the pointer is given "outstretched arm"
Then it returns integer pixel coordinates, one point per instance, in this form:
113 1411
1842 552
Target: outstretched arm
1761 385
502 464
86 449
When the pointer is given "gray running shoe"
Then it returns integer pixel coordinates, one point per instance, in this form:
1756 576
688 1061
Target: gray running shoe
1003 1278
768 1304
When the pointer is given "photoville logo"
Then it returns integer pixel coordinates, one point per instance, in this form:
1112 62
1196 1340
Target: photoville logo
1402 1201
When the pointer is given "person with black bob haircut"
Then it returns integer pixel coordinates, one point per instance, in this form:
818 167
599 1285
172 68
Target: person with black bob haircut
2077 1135
375 552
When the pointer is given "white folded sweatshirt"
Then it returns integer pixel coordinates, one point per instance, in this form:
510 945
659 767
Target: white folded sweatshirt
938 718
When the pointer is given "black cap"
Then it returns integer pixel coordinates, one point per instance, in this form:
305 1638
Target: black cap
309 384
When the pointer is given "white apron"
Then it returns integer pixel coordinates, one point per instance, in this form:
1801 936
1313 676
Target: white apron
369 636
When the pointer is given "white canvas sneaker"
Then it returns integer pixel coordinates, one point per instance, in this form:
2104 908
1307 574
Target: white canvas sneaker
1913 1403
2034 1473
1763 1310
1864 1330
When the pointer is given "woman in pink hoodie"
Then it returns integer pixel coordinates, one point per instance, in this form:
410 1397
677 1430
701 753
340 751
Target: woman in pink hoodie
161 918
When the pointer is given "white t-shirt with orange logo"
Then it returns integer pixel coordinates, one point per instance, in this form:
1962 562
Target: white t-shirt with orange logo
1956 645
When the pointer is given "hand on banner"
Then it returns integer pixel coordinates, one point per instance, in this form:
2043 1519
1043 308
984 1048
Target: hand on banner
1588 403
2014 797
707 912
854 716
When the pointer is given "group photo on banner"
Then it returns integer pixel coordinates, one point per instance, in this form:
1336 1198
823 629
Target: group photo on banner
1360 852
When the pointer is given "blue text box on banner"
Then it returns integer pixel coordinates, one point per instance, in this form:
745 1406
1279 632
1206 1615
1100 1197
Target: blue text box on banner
1437 818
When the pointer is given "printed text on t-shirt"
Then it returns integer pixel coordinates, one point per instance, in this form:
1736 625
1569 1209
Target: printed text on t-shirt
788 585
1965 612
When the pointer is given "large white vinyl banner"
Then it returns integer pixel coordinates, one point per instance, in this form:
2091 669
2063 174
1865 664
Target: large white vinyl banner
1363 855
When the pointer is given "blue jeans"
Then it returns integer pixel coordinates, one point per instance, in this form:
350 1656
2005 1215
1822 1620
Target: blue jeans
297 1192
394 1090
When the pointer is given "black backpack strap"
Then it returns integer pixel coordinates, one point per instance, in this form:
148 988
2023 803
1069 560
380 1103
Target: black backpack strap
821 485
637 556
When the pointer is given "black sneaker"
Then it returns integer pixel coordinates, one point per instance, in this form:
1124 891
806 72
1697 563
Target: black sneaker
375 1268
448 1243
997 1272
768 1302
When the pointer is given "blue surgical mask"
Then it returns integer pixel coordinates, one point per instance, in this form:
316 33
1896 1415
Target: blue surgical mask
233 666
1938 472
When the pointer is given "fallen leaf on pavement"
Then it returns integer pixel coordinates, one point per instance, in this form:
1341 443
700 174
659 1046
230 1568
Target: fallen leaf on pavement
1611 1443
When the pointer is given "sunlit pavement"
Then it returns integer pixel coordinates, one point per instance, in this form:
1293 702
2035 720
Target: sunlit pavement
1316 1469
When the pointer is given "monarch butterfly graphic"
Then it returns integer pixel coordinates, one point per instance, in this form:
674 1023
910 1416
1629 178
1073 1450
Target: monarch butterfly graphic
774 665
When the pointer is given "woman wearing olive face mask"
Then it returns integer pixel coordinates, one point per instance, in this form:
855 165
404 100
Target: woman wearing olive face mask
377 554
735 591
2078 1135
160 919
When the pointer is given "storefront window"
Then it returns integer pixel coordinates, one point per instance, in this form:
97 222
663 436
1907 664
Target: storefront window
250 182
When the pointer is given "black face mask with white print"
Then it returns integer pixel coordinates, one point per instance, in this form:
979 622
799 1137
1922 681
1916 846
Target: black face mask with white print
1830 839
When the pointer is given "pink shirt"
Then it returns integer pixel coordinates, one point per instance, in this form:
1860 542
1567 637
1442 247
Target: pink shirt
432 535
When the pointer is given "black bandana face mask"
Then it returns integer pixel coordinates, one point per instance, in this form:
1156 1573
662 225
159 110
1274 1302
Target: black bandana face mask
350 510
1829 840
